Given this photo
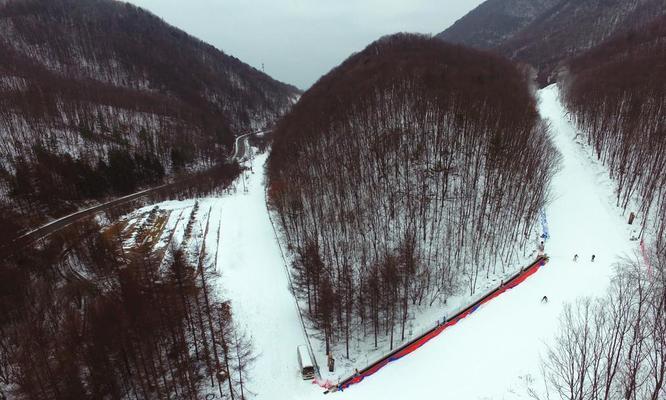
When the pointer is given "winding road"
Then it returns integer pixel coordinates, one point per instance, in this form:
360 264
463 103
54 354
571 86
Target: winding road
8 249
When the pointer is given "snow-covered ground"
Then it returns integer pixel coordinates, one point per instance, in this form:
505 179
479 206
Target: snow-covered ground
488 355
253 277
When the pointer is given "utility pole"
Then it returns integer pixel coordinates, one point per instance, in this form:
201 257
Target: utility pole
250 156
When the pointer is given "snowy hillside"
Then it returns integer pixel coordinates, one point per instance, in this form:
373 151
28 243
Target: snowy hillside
501 343
544 33
96 88
494 22
421 223
396 198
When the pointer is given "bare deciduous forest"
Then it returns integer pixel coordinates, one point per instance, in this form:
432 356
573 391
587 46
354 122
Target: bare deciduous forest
614 347
100 97
402 177
414 173
571 27
617 95
85 316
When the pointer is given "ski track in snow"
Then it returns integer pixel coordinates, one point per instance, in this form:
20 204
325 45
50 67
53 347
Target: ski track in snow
485 356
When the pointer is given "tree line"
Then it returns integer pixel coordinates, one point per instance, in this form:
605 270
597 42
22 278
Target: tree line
407 174
57 182
84 316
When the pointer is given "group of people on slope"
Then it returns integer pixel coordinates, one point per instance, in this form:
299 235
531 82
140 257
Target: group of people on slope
541 250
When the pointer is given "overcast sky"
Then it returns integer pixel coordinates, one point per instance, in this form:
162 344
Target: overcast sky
300 40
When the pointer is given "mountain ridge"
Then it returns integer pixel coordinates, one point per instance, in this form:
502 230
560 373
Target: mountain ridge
90 83
557 31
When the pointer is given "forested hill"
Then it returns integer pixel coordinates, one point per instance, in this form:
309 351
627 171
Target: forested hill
406 145
494 22
556 31
575 26
617 96
87 83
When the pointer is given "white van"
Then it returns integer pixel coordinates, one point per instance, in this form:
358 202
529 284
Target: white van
305 362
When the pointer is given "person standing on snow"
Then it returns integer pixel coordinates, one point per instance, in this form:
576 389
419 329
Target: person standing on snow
541 248
593 256
575 257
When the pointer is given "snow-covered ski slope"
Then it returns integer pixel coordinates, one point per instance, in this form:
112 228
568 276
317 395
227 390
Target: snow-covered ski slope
489 354
253 278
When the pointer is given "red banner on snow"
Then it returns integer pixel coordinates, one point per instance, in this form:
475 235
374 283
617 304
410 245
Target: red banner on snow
407 348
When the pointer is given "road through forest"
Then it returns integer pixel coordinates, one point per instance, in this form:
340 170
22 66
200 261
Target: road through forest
240 152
